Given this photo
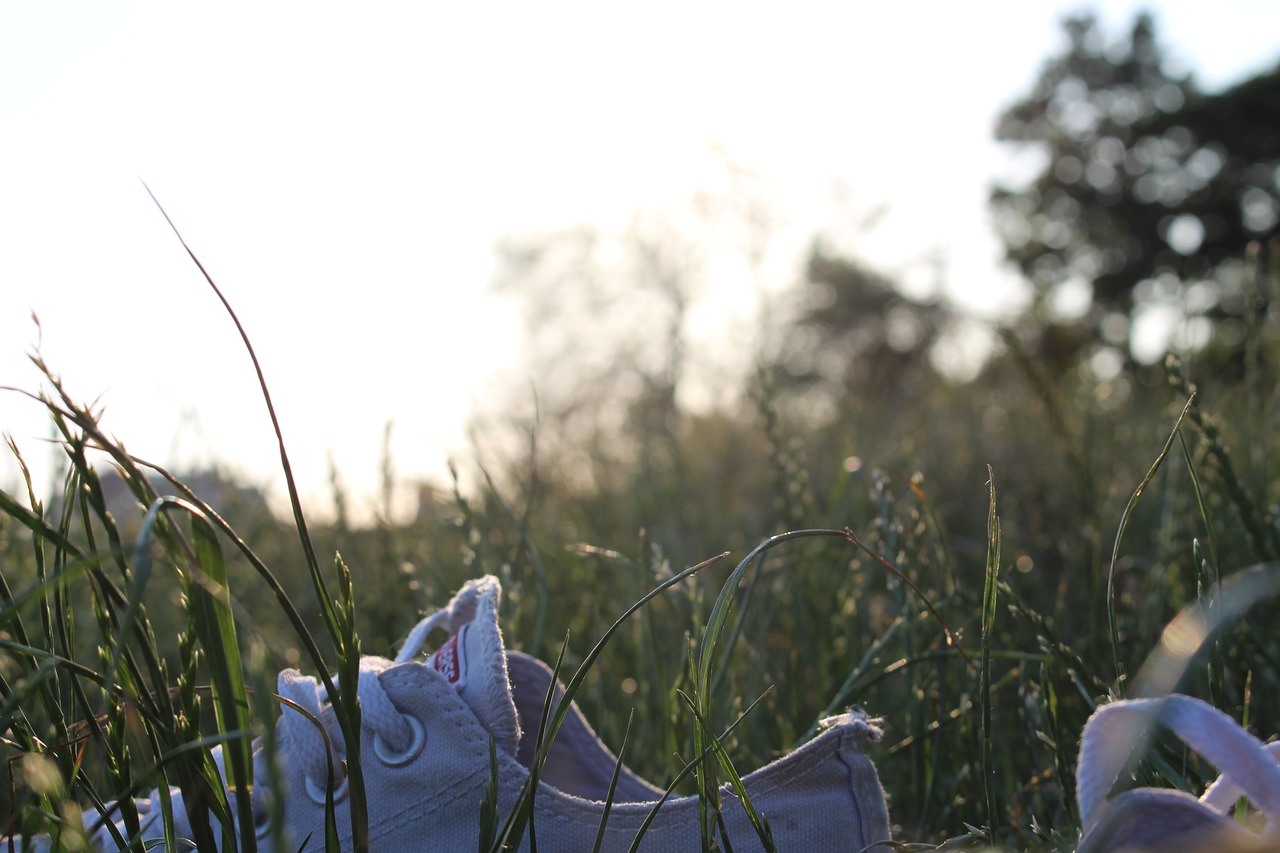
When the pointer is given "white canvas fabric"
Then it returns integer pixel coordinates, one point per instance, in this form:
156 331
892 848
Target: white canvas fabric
1154 819
425 742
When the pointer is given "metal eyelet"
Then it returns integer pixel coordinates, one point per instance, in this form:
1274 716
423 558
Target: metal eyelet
316 793
410 752
262 825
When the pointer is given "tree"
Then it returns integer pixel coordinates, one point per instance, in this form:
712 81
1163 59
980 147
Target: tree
605 316
1148 194
857 339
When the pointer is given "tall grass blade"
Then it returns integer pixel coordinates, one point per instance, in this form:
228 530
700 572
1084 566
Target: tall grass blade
613 784
230 697
1263 533
350 728
707 657
522 809
758 823
688 768
990 592
489 806
1113 623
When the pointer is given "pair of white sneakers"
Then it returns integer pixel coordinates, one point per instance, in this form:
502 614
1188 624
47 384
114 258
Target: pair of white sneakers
427 727
426 730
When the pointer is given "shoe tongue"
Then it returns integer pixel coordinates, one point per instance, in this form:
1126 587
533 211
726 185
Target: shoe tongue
474 660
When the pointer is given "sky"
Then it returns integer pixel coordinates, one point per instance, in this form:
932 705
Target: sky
344 176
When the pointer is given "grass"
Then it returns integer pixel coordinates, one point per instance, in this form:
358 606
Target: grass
984 625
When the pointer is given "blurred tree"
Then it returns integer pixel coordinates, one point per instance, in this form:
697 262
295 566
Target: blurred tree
605 317
606 346
857 340
1134 230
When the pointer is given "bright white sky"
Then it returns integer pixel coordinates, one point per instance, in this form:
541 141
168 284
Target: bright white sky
344 174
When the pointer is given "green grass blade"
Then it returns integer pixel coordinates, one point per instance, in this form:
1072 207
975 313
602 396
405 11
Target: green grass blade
230 699
681 775
489 806
613 784
1112 623
724 601
735 781
520 811
329 608
990 593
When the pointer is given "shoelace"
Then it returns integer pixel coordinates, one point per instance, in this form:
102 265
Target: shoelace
1248 766
397 738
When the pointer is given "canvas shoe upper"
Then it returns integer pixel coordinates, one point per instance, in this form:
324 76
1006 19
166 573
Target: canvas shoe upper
425 746
1154 819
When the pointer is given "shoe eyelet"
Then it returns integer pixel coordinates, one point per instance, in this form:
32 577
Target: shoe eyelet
410 752
316 793
262 826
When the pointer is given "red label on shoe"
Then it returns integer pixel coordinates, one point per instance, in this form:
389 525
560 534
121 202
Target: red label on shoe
447 659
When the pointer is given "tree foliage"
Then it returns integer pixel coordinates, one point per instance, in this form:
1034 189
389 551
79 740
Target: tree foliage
857 339
1148 193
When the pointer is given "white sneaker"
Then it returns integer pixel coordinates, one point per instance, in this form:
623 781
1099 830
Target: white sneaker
425 745
1155 819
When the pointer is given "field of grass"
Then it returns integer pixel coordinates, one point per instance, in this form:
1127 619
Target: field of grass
1001 557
